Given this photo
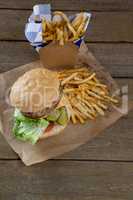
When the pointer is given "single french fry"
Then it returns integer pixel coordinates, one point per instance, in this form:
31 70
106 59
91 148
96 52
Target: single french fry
65 34
62 15
72 115
61 41
62 75
82 25
93 94
77 21
113 100
98 109
101 85
68 78
82 121
77 69
92 83
84 80
73 119
77 78
84 74
96 80
57 20
68 90
98 91
58 34
43 25
83 29
102 105
72 30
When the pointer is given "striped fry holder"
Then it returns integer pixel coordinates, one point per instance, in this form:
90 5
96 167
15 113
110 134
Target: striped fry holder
33 28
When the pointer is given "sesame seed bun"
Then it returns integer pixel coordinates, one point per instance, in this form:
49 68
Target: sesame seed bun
35 92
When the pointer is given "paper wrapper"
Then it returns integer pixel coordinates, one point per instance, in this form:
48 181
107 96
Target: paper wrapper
72 136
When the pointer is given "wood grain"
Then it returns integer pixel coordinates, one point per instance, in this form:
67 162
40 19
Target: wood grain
104 26
72 5
116 143
14 54
117 58
102 169
66 180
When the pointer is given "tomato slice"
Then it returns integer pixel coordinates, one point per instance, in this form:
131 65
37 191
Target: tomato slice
50 126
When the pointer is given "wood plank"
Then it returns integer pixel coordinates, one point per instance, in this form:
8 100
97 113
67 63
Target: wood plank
14 54
104 26
66 180
73 5
117 58
116 143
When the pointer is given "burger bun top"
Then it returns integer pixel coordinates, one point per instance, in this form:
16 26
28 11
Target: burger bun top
36 90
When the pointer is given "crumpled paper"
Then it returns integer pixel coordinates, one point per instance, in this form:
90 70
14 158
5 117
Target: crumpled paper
73 135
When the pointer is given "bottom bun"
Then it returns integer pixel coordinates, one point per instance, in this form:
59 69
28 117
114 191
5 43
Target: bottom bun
56 128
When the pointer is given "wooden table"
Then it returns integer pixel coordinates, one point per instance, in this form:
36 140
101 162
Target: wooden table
103 168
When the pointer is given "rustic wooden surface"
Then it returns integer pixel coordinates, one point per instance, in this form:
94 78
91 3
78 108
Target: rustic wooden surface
66 180
103 168
118 61
117 28
115 5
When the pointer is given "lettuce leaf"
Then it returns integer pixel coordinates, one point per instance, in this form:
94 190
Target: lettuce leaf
27 129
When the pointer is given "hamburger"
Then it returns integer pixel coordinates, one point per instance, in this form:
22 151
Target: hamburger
41 110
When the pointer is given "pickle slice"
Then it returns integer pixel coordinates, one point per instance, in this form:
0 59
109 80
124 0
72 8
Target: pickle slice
53 116
63 118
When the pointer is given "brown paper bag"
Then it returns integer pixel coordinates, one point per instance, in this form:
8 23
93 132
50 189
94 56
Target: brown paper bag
73 136
55 57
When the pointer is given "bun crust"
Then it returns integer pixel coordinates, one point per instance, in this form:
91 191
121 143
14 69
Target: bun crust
36 90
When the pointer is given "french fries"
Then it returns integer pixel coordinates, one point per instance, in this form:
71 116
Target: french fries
61 29
87 96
